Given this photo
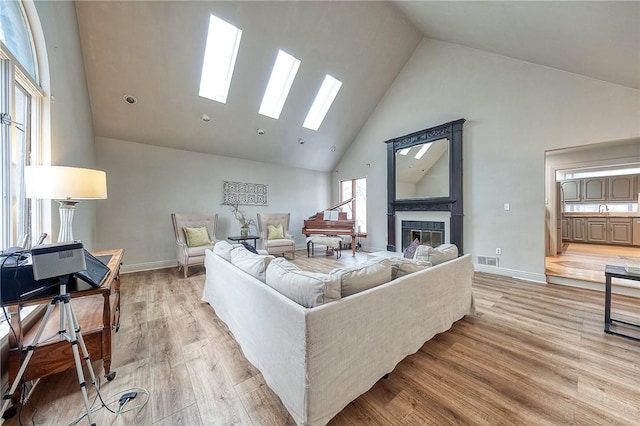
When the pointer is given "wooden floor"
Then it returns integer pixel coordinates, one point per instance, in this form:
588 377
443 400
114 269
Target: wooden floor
587 261
532 354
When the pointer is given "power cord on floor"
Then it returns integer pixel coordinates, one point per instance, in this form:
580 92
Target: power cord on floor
119 400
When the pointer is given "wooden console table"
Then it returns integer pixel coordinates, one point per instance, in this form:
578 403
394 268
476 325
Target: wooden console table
98 313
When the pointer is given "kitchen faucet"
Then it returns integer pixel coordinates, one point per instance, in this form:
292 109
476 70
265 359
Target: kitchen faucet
606 208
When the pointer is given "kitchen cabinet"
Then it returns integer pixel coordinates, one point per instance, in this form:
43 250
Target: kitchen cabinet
579 229
566 224
636 231
595 189
571 190
622 188
613 189
597 230
620 230
614 230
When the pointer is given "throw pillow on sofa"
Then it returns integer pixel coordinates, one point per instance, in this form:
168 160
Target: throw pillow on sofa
401 266
354 279
410 251
253 264
223 249
308 289
437 255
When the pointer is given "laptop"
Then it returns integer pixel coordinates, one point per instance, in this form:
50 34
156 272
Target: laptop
96 271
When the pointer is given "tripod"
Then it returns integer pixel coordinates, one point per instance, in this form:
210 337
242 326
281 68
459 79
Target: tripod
71 333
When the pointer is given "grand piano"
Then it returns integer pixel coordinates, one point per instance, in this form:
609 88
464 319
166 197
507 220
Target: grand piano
335 223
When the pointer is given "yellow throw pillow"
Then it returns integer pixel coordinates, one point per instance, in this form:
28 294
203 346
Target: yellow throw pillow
197 237
275 232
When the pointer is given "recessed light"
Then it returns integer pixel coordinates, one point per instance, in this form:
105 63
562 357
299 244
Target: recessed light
260 131
301 141
130 99
205 118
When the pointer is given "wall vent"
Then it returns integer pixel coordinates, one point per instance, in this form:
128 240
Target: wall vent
487 260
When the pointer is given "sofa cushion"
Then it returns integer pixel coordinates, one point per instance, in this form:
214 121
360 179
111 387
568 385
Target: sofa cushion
436 255
401 266
372 273
409 252
308 289
275 232
197 237
253 264
223 249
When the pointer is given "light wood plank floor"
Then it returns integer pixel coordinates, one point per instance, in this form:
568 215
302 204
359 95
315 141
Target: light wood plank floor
532 354
587 261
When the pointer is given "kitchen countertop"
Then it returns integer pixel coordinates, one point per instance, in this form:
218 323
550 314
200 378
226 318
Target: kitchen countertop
605 214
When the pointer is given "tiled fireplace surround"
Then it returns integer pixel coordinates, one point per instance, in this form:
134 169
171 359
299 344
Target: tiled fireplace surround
433 227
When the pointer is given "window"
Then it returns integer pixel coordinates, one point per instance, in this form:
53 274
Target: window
357 208
321 104
20 142
221 51
282 76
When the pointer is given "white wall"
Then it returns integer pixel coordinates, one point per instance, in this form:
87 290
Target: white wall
70 129
515 111
147 183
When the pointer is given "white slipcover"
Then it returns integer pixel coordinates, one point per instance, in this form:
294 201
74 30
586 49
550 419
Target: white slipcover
319 359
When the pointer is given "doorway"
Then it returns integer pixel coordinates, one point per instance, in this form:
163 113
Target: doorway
574 260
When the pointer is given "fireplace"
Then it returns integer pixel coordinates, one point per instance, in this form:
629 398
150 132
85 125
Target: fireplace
403 196
427 232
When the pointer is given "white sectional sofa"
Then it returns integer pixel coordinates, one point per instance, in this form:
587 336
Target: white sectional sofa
319 359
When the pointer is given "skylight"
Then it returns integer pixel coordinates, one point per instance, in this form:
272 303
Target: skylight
282 76
422 151
223 41
322 103
404 151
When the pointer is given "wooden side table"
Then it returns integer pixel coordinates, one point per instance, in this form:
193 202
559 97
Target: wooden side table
240 238
98 313
616 272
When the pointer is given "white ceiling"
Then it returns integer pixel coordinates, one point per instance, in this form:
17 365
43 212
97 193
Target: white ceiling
153 50
599 39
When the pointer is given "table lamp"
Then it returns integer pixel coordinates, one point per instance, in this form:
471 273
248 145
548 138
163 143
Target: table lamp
68 186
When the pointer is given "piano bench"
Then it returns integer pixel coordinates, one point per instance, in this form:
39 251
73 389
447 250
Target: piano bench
331 242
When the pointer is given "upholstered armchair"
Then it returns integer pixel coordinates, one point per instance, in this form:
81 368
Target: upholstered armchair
274 233
192 242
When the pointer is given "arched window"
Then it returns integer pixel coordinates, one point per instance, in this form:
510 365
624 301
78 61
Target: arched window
20 109
16 35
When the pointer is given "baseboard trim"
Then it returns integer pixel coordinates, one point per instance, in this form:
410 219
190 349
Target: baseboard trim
148 266
513 273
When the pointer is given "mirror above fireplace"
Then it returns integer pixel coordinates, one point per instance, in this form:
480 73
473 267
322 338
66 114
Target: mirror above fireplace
424 173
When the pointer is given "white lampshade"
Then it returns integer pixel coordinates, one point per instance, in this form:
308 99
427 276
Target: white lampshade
65 183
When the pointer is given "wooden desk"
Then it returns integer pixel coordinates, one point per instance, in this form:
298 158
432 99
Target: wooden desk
616 272
98 313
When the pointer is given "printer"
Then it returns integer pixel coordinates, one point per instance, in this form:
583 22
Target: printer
25 274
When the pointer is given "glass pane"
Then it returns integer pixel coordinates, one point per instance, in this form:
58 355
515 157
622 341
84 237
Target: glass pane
20 205
361 205
14 33
345 190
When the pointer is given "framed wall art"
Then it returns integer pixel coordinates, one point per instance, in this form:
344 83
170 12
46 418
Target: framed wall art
242 193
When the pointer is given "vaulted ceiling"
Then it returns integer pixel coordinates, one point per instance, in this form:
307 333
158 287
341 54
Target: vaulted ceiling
153 50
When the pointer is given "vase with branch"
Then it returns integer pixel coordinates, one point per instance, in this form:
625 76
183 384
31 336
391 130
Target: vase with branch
241 217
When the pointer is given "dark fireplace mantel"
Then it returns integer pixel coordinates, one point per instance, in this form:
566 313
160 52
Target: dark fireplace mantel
452 203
